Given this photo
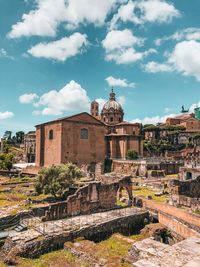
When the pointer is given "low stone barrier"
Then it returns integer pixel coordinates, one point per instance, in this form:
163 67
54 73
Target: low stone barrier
34 243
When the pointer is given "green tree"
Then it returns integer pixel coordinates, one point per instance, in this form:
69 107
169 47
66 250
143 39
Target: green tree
57 179
6 161
132 154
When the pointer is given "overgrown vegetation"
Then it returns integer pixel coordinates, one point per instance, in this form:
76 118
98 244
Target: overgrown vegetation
57 179
57 258
132 154
161 146
6 161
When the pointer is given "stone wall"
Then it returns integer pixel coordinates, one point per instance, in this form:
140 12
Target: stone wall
186 193
190 188
32 244
193 203
189 173
141 167
189 220
94 196
135 168
177 226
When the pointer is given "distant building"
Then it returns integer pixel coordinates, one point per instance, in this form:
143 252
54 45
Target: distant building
180 128
30 146
187 120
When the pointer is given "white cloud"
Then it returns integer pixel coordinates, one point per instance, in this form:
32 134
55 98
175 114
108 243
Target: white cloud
186 58
154 120
153 67
62 49
72 97
4 53
125 13
158 11
142 11
49 14
116 39
127 56
101 102
119 47
185 34
119 82
6 115
28 98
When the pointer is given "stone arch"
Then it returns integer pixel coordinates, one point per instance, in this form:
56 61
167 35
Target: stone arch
188 176
125 186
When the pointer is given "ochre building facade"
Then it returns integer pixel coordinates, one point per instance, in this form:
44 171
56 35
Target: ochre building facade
87 139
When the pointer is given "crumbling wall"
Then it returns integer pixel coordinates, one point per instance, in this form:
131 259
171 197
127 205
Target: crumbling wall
92 197
189 188
133 168
156 174
194 173
141 167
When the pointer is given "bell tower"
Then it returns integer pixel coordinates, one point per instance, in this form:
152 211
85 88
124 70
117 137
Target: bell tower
94 109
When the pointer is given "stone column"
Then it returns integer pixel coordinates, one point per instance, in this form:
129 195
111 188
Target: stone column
125 148
113 147
1 144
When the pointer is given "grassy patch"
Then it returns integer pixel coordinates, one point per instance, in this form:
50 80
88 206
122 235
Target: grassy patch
139 237
142 191
120 203
57 259
197 212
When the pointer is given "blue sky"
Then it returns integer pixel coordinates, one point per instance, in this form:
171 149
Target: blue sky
58 55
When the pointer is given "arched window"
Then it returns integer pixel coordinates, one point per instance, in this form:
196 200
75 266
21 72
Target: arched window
111 119
84 133
50 134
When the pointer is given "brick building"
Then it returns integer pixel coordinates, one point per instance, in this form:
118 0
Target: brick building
121 135
87 139
78 139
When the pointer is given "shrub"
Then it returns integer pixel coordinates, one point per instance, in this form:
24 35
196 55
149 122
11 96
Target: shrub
132 154
6 161
57 179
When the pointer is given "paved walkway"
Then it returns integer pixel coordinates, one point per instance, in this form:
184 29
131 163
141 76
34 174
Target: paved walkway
38 228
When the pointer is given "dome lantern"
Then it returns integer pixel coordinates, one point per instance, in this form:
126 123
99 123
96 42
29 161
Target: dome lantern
112 112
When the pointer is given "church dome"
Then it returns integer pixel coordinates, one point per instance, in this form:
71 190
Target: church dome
112 103
112 112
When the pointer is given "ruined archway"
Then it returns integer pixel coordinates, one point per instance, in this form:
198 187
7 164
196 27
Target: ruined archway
124 192
188 176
